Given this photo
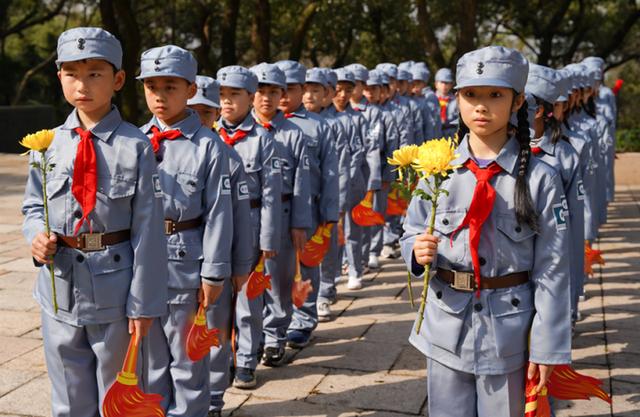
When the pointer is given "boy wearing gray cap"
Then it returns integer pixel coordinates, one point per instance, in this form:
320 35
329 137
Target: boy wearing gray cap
107 245
507 316
296 218
206 101
257 148
193 164
447 102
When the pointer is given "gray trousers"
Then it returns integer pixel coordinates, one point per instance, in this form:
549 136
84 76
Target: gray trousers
170 371
330 269
454 393
220 360
373 236
353 235
82 363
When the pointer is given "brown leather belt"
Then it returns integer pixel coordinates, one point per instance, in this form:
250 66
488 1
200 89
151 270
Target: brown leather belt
257 203
172 227
89 242
465 281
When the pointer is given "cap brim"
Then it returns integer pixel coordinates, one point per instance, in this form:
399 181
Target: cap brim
483 82
88 55
163 74
200 100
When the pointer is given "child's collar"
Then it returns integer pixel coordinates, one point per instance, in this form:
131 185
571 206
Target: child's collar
103 130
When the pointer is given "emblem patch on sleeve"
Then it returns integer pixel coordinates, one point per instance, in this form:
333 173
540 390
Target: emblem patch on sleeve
276 164
305 162
580 190
560 214
157 190
243 191
225 185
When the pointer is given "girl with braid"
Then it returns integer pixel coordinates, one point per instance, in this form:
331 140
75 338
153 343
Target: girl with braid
498 305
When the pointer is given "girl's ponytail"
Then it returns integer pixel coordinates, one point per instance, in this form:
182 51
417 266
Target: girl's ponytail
525 212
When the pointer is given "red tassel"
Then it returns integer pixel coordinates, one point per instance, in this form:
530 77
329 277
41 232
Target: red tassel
200 338
364 215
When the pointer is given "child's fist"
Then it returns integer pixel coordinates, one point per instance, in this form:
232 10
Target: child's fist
43 246
425 248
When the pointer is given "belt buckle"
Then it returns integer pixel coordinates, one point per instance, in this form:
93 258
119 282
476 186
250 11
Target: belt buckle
92 242
169 227
463 281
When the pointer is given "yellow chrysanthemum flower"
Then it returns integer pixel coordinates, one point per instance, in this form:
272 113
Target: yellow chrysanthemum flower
435 157
404 156
39 141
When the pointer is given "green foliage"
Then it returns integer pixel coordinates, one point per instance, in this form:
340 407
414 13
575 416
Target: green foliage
628 140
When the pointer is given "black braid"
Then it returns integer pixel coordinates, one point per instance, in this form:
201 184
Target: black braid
462 129
590 107
525 212
551 124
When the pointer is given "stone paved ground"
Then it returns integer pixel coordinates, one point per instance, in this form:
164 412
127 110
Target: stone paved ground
360 364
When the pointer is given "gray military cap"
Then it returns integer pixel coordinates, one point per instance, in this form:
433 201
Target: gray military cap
208 92
404 75
331 76
542 83
388 68
295 72
375 77
597 66
406 65
168 61
420 73
444 75
270 74
385 78
316 75
235 76
88 43
495 66
345 75
360 72
563 81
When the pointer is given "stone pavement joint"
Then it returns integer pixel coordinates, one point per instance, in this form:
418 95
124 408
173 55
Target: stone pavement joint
359 364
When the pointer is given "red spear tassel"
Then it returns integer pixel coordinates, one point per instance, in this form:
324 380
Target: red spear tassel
200 338
591 257
341 238
567 384
617 86
393 204
258 282
312 255
301 288
124 398
364 215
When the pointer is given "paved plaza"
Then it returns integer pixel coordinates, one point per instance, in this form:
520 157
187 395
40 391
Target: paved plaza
360 364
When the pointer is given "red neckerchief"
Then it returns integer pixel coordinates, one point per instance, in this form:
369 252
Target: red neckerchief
159 136
536 150
484 195
444 101
85 176
289 115
232 140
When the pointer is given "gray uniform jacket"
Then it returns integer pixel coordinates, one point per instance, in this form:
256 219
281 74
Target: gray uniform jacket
490 335
323 162
195 182
343 152
433 105
370 128
128 279
292 151
264 180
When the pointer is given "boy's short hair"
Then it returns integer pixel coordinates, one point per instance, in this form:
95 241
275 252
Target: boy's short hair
83 43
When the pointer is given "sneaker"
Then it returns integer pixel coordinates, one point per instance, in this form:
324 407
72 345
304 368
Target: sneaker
273 356
245 378
354 283
297 339
388 252
214 413
373 262
337 280
324 311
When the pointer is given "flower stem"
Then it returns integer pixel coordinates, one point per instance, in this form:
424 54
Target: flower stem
413 305
44 168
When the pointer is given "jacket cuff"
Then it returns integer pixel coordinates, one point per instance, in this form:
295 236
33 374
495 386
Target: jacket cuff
548 358
216 282
215 270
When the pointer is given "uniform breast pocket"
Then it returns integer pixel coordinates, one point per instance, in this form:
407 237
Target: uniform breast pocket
57 190
116 189
63 277
190 186
511 314
112 270
253 169
445 315
447 221
185 261
515 242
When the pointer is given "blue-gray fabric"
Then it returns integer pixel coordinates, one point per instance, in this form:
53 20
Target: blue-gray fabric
168 61
88 43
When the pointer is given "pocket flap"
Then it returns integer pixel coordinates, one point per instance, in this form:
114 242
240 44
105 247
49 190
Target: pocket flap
189 181
113 258
446 298
515 231
116 187
253 165
448 221
55 185
513 301
182 252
